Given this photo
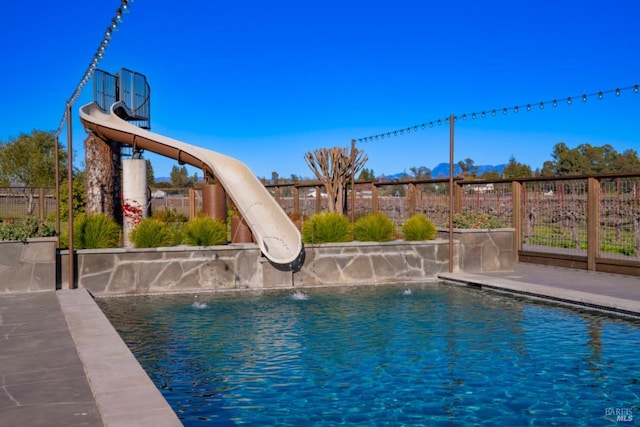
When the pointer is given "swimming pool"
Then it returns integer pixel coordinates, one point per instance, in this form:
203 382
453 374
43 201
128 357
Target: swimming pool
431 355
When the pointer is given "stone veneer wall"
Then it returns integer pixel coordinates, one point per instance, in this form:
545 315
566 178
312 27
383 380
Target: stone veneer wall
180 269
28 267
484 250
34 266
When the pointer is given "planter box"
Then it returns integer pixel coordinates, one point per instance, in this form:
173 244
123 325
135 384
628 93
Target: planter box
484 250
241 266
28 267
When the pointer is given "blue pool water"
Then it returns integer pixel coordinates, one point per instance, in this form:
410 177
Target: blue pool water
434 355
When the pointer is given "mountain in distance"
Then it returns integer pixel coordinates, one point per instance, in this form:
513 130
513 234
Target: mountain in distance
442 171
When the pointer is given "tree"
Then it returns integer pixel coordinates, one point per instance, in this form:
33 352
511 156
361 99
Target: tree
103 176
568 161
586 159
275 178
468 169
491 175
515 169
78 196
334 168
366 175
29 161
151 179
548 169
628 161
181 179
421 172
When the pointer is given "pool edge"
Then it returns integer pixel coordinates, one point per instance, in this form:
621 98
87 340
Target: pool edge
124 393
573 298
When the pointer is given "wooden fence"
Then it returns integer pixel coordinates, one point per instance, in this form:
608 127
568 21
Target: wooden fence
586 222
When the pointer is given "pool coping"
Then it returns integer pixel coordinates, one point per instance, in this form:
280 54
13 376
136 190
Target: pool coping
124 393
526 287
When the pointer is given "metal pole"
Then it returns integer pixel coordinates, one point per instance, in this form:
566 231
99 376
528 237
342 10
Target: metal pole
57 160
353 178
70 194
451 193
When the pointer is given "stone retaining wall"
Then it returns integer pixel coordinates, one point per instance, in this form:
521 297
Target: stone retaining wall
180 269
29 266
484 250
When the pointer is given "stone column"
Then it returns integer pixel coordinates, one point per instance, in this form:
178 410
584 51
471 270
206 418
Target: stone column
134 195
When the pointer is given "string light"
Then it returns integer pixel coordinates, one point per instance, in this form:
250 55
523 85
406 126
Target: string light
600 94
97 57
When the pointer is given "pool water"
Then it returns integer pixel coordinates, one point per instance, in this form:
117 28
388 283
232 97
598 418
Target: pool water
428 355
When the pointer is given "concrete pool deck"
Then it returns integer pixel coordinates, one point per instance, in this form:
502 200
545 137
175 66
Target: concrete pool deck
613 293
63 364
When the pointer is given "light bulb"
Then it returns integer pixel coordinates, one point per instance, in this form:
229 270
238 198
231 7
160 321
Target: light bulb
515 109
584 98
600 95
617 91
569 101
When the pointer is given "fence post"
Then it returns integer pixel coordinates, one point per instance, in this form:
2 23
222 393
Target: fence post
412 199
516 205
374 198
318 200
296 200
192 203
593 222
41 203
457 200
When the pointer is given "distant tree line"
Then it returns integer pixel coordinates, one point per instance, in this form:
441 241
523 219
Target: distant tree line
27 160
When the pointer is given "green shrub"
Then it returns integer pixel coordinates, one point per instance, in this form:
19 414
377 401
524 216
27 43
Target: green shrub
24 228
95 231
474 219
176 231
204 231
418 227
326 227
152 233
375 227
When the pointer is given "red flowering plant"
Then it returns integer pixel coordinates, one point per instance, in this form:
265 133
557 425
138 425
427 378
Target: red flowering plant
132 211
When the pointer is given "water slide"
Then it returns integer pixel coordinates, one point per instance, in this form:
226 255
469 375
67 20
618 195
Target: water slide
278 238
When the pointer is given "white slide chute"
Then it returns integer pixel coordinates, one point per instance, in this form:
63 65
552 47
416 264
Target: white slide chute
276 235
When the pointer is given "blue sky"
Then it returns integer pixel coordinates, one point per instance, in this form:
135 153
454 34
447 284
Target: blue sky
266 82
